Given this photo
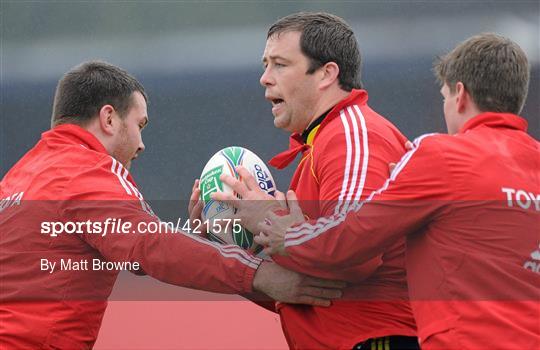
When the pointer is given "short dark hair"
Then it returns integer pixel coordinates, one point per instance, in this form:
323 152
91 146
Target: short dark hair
325 38
86 88
493 69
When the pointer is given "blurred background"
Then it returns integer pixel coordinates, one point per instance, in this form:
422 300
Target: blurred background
200 65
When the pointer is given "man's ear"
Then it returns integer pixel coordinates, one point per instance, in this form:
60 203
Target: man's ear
463 98
329 74
106 119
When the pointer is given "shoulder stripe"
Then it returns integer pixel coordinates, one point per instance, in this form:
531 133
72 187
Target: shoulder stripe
122 174
116 171
360 149
130 184
365 147
138 194
356 165
347 161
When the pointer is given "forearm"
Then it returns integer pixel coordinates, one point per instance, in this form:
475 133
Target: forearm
356 238
169 256
193 262
182 259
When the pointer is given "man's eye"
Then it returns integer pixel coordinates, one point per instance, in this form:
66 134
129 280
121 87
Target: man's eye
279 65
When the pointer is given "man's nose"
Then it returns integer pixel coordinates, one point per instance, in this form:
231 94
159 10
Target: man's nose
266 78
141 147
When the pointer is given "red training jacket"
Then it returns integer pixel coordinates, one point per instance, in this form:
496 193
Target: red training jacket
470 206
344 159
68 176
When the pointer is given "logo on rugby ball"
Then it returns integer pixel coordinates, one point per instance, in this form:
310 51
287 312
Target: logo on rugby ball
225 162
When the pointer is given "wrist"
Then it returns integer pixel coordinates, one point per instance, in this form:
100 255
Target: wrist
259 278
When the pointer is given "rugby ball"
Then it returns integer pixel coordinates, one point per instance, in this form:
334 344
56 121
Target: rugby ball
225 162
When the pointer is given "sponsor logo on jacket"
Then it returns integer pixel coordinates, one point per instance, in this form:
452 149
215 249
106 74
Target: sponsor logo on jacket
523 199
534 263
10 201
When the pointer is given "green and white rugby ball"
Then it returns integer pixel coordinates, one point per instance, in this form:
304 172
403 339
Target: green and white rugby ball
225 162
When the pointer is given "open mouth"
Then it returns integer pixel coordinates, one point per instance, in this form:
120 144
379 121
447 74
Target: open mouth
277 101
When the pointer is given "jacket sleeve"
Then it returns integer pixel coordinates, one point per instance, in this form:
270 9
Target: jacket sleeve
105 192
346 164
408 200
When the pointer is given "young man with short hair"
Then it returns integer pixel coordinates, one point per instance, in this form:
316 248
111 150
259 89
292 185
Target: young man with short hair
467 202
55 286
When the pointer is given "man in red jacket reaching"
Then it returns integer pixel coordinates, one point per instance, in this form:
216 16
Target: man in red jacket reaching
71 217
467 202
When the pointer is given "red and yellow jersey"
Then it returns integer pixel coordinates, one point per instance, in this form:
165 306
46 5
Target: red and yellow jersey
344 159
469 207
68 176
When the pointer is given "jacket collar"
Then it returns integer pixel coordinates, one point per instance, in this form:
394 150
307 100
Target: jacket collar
301 142
76 135
356 96
495 120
